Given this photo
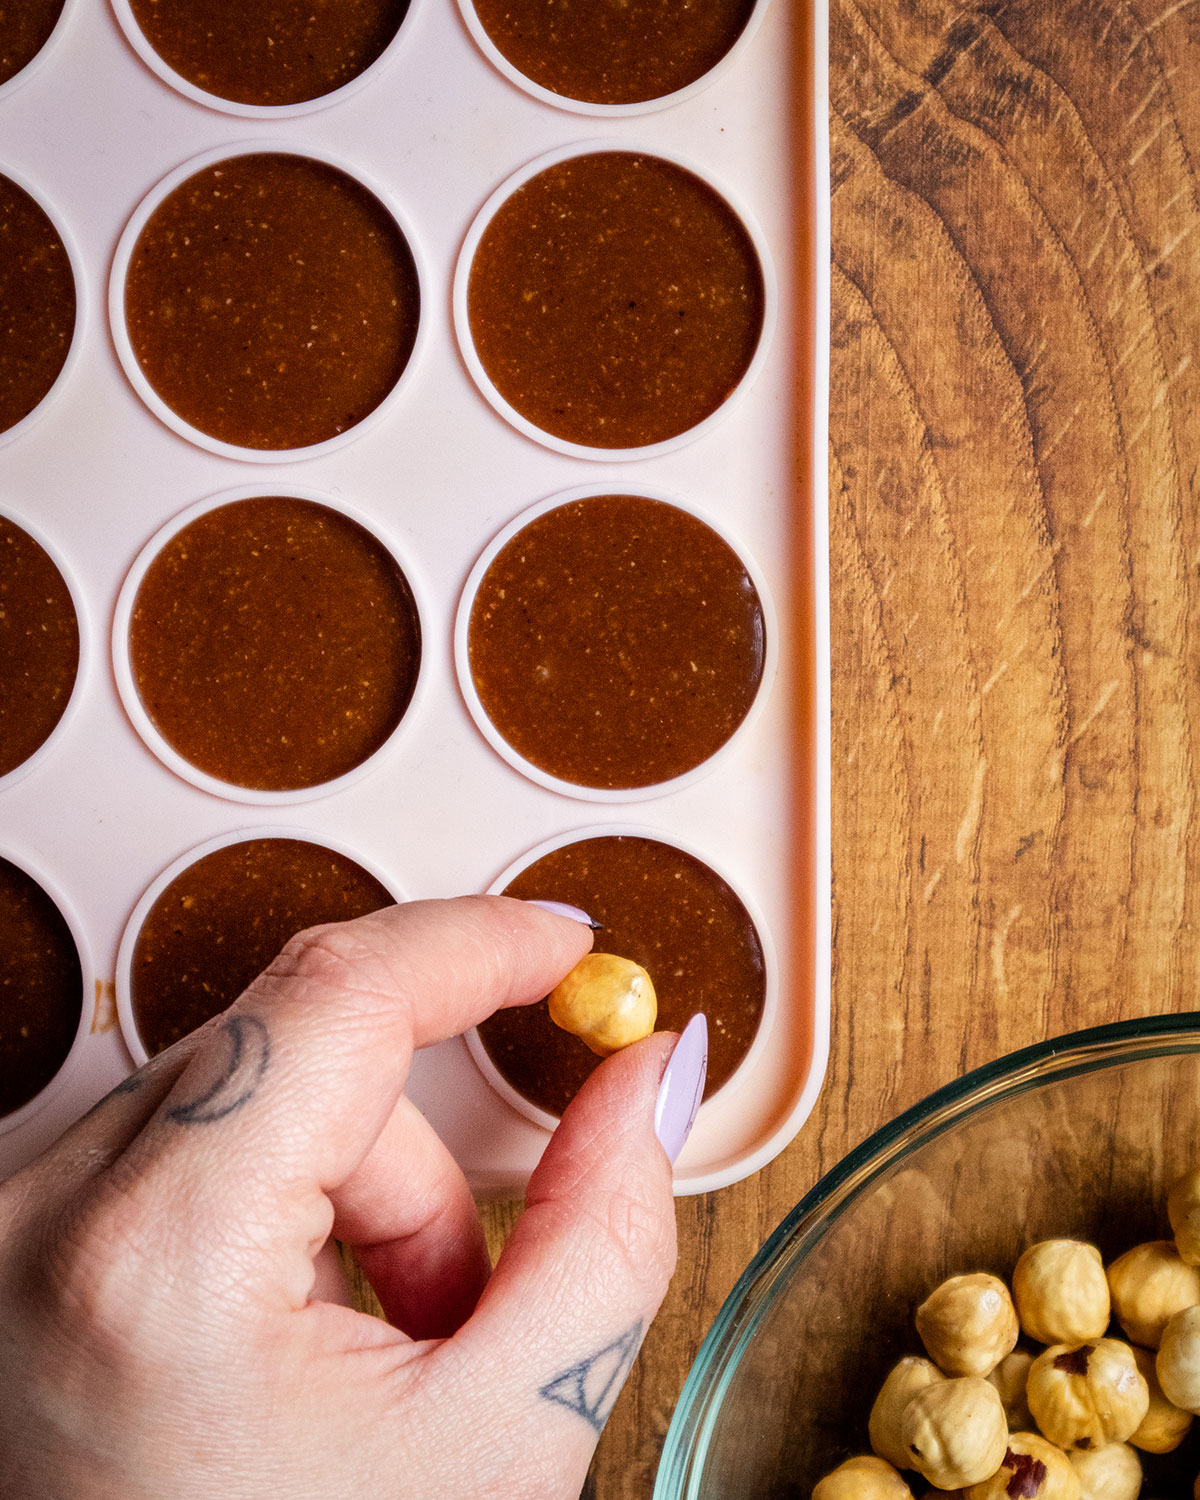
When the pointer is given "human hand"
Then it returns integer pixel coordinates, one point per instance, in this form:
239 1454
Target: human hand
170 1323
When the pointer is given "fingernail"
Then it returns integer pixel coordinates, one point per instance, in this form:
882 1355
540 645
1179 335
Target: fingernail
682 1088
561 909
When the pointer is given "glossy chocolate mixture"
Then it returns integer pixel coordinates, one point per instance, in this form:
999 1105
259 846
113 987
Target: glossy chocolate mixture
221 922
272 301
269 51
39 645
25 27
616 641
275 643
37 304
41 988
668 912
615 300
614 53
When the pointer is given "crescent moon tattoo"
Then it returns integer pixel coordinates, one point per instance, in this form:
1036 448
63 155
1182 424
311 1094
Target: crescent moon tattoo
249 1058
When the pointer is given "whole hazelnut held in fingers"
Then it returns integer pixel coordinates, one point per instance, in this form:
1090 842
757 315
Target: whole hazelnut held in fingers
1031 1469
968 1324
1061 1292
1110 1473
606 1001
954 1432
1087 1395
1183 1210
862 1478
1178 1362
1164 1426
1148 1284
904 1380
1010 1377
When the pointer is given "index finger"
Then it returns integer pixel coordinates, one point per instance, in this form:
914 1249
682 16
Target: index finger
299 1078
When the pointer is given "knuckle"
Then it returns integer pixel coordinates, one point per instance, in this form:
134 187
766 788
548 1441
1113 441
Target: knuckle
332 953
643 1234
93 1259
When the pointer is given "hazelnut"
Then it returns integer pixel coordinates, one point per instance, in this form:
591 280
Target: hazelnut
1110 1473
1148 1284
1178 1362
606 1001
1164 1426
1031 1468
863 1478
1010 1378
1087 1395
1183 1210
1061 1292
954 1432
904 1380
968 1324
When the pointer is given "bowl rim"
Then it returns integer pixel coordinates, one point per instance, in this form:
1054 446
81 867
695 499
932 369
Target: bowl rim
1089 1050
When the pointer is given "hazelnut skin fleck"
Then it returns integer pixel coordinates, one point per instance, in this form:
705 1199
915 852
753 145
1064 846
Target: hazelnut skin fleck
1087 1396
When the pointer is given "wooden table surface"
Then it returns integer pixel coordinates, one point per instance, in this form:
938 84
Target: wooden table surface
1015 434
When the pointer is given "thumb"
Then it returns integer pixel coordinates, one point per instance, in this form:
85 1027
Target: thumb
563 1316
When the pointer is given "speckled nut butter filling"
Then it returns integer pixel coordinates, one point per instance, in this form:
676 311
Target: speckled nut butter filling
221 921
270 52
615 300
39 646
41 988
616 641
667 911
25 27
274 643
37 304
272 301
606 53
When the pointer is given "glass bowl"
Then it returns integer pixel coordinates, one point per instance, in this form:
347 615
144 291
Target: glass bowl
1078 1137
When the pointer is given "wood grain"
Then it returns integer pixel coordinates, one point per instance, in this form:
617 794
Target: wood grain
1014 545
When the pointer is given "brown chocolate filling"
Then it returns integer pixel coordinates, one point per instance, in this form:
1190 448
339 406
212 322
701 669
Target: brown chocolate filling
283 52
221 921
616 641
41 988
39 645
37 304
668 912
615 300
274 643
25 27
272 301
608 53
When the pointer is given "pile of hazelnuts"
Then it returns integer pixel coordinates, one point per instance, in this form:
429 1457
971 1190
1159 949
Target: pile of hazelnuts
983 1419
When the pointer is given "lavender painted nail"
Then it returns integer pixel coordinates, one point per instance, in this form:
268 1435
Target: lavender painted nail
682 1088
561 909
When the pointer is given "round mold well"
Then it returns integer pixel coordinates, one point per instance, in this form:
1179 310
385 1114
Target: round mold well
546 95
63 727
127 683
126 353
133 928
693 1178
528 768
75 261
50 888
466 339
158 65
